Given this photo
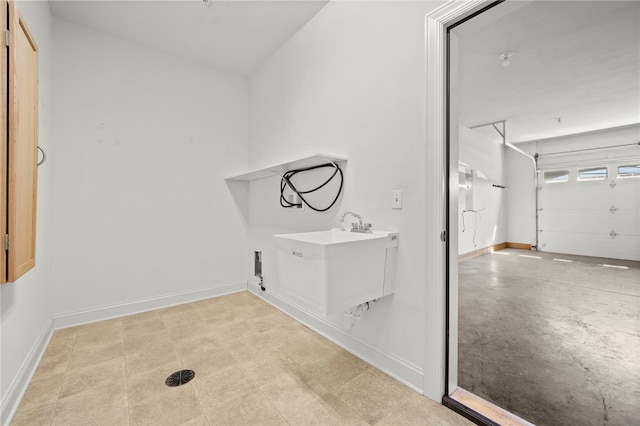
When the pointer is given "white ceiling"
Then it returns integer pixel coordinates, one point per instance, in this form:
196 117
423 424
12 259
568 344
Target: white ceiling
231 35
577 60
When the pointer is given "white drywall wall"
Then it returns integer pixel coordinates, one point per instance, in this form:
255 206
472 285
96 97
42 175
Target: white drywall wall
26 304
485 219
520 200
143 143
352 83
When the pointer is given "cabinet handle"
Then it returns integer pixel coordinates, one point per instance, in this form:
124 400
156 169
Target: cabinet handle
44 156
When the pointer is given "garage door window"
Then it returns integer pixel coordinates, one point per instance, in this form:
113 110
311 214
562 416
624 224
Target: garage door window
553 176
598 173
629 171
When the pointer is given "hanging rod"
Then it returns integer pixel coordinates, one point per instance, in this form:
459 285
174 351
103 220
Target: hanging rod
590 149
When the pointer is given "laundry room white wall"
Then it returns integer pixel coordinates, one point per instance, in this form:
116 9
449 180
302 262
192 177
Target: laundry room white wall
143 140
25 305
485 222
352 83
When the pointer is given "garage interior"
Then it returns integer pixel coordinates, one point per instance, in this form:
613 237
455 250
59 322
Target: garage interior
545 175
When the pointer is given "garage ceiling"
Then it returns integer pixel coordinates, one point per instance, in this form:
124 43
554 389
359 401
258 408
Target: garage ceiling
232 35
574 60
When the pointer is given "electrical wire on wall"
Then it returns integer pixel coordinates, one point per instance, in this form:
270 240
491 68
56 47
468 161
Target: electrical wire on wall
476 215
286 181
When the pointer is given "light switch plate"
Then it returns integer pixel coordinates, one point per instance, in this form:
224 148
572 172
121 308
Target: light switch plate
396 199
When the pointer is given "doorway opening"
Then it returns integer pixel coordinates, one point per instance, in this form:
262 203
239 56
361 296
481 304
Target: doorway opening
542 212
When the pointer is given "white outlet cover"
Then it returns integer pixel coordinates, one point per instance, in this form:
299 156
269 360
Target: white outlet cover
396 199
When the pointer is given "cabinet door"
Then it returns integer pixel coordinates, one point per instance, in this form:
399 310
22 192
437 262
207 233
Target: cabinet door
4 59
23 146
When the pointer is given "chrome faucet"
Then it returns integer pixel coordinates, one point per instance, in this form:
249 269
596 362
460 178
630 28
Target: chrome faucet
359 227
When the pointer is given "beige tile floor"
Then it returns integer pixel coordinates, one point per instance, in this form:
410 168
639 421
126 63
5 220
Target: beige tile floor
254 366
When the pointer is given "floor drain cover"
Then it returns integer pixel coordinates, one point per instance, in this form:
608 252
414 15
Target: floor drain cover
179 378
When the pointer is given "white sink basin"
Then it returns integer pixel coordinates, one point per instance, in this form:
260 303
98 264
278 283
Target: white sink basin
334 236
331 271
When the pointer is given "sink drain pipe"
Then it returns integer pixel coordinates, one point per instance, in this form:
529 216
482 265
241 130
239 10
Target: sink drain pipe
352 316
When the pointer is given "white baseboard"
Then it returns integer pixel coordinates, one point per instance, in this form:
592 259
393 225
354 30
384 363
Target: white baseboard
23 377
401 370
73 319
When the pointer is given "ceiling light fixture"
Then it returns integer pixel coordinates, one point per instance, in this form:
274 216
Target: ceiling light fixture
206 2
504 57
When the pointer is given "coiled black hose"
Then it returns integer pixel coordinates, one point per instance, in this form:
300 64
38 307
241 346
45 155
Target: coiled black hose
286 181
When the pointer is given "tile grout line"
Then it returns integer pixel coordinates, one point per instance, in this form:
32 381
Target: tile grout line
239 364
195 393
182 366
317 398
258 387
222 344
126 372
64 378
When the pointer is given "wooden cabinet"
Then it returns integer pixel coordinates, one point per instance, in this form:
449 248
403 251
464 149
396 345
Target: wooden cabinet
19 147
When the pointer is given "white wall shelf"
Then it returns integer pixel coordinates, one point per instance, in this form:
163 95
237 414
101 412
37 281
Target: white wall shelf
279 169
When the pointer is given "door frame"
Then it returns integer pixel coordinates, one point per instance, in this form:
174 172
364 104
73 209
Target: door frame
442 298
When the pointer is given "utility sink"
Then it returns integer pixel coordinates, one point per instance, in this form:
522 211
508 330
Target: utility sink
331 271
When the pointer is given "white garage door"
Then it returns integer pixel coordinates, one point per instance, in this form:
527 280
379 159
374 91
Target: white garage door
590 209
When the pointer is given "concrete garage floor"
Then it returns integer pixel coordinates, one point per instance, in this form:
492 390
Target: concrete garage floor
556 342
